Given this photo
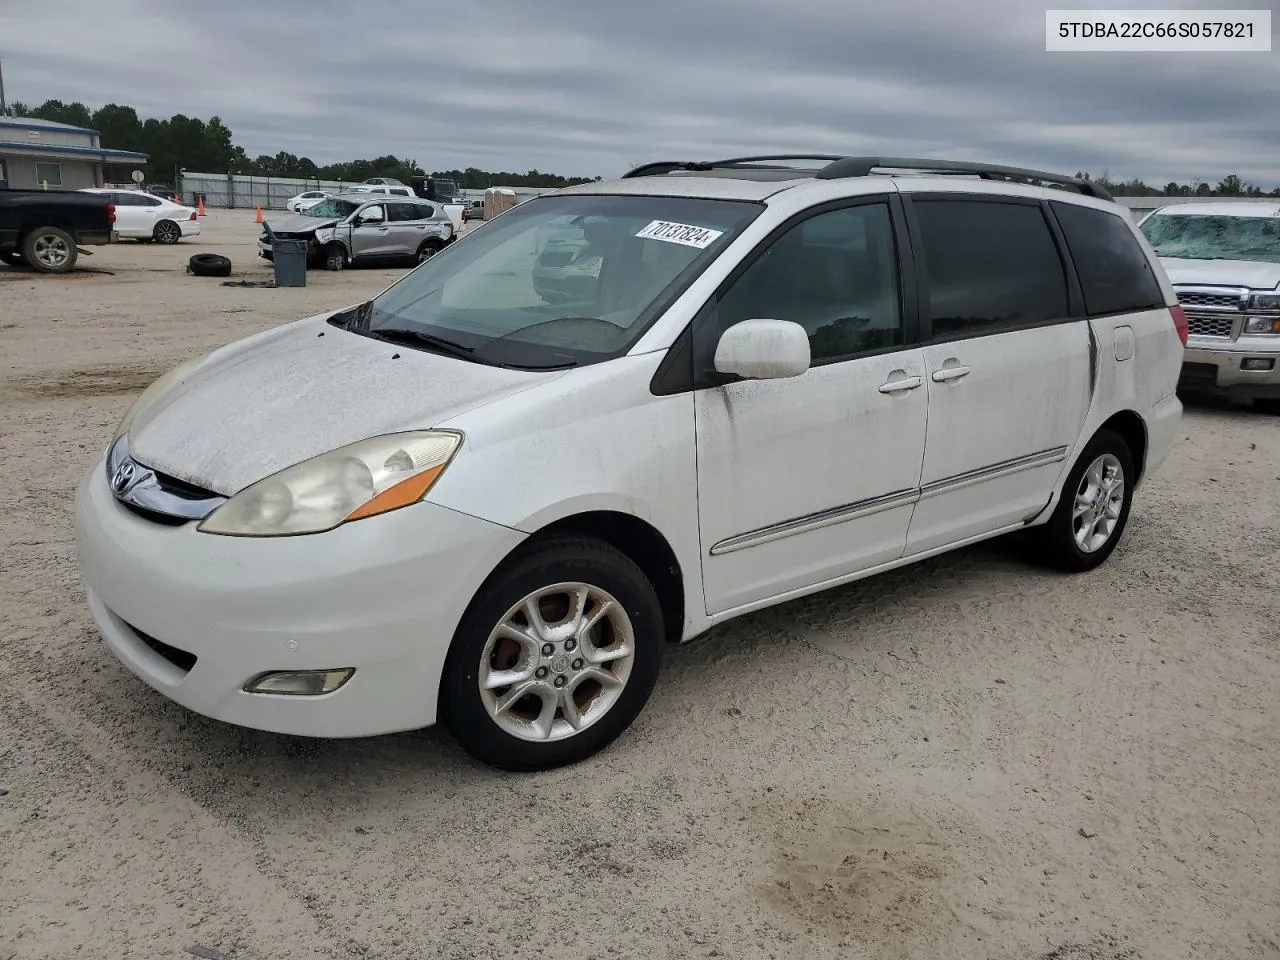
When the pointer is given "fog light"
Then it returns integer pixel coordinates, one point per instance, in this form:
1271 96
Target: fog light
299 683
1258 363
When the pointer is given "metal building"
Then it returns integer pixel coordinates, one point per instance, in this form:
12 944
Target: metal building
40 154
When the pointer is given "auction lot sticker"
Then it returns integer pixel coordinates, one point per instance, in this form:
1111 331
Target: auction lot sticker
681 233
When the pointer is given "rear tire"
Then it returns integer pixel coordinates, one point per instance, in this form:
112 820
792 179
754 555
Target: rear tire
1093 509
587 664
167 232
50 250
429 249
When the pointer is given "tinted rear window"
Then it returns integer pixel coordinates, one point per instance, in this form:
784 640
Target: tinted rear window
991 266
1115 276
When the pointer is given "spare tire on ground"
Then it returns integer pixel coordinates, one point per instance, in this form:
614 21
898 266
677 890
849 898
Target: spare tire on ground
209 265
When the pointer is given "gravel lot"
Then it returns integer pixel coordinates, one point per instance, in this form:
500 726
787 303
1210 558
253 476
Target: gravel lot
972 758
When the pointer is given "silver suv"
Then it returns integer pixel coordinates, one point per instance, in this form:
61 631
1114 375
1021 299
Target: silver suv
362 228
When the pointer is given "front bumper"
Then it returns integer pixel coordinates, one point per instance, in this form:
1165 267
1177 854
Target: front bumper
382 595
1215 367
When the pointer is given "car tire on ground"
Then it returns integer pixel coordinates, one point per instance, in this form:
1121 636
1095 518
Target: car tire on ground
167 232
1093 509
335 257
49 250
209 265
429 249
555 657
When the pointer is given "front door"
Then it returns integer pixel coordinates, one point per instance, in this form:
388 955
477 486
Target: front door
1008 365
371 233
807 479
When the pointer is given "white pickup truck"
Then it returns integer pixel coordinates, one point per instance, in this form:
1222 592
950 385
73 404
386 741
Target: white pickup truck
1224 262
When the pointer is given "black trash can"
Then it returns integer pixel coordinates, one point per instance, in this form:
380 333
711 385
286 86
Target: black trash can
290 260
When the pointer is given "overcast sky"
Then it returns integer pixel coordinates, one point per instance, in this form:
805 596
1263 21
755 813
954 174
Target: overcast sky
588 87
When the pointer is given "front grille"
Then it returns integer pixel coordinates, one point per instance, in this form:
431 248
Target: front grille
181 488
1209 325
1230 300
179 658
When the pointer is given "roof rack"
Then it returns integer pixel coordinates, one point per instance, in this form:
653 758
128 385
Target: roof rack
838 168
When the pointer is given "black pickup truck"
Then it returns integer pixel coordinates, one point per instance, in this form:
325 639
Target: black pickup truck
45 229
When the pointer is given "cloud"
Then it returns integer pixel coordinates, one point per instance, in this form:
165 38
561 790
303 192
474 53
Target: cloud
589 87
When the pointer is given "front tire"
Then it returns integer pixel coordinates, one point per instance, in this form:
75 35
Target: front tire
555 657
335 257
1093 509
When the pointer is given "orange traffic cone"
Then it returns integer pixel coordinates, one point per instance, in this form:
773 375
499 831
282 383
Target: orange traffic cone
200 209
259 215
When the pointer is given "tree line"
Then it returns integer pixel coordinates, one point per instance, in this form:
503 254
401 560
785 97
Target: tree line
1229 186
205 146
183 142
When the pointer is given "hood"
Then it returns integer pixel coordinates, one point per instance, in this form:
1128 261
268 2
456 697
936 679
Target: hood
1254 274
298 223
289 394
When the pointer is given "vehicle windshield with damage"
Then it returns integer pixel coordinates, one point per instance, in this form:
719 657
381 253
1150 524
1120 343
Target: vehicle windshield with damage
1204 237
328 209
559 281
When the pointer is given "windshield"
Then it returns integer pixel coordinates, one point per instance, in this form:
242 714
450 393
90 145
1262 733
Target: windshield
1197 237
562 280
331 208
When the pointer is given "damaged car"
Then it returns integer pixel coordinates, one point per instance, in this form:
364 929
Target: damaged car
364 229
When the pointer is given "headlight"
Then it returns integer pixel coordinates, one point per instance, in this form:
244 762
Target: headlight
363 479
145 398
1262 325
1265 301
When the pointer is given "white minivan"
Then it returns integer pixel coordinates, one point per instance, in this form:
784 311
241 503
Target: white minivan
492 494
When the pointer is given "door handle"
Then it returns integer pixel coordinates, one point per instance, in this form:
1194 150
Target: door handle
950 373
906 383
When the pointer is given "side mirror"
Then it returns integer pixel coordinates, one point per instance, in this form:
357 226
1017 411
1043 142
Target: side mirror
763 350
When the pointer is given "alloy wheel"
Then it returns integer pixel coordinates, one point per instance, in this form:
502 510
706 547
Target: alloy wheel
557 662
1098 503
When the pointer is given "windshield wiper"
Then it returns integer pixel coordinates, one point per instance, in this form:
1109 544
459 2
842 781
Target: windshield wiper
418 338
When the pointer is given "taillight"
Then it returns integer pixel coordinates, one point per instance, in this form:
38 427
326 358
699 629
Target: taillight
1179 321
111 213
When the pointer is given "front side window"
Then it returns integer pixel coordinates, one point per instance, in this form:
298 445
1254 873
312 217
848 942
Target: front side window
835 274
559 281
50 173
1202 237
1115 276
991 266
375 211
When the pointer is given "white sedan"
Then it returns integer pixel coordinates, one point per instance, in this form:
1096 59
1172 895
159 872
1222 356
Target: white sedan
304 200
141 216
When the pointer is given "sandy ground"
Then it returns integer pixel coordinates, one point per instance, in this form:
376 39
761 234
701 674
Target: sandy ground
972 758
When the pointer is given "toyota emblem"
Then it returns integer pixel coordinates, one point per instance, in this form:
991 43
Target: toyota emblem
123 477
